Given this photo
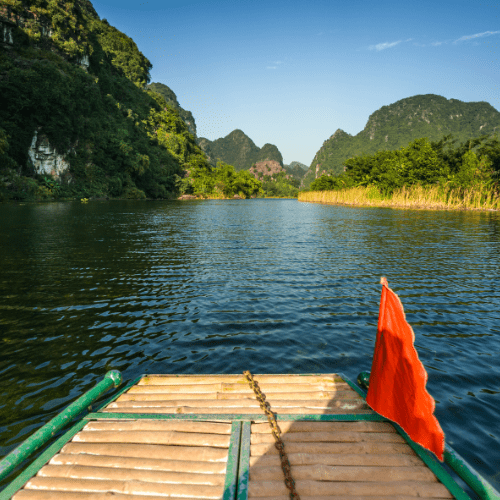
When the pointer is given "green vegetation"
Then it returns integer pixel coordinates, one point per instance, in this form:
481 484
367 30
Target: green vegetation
220 182
395 126
239 150
296 169
124 140
467 175
279 186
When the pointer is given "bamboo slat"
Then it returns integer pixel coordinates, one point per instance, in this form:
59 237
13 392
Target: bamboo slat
237 378
159 425
301 426
239 388
32 494
337 459
343 497
126 487
330 437
239 403
198 453
139 463
115 474
345 473
413 489
350 448
313 395
348 408
151 437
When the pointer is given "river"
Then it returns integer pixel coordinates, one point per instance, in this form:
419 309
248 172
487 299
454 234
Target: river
272 286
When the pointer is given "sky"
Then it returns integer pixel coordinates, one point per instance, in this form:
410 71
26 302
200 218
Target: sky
291 73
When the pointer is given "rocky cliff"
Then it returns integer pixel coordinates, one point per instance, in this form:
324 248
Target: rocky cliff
267 168
397 124
238 150
76 117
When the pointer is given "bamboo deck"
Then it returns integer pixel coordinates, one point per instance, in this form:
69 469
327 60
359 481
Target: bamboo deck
205 437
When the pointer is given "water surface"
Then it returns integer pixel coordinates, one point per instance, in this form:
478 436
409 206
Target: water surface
273 286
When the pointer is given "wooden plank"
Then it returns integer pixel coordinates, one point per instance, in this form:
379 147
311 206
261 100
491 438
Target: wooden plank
313 395
139 463
300 426
413 489
32 494
238 388
198 453
338 459
162 425
118 474
126 487
350 448
154 437
237 378
350 497
319 472
330 437
240 403
347 408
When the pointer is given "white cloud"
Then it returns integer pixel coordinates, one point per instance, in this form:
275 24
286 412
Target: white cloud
477 35
271 67
387 45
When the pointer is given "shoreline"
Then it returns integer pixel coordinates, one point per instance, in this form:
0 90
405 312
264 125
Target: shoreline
402 207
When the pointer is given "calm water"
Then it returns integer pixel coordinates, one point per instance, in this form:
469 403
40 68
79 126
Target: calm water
273 286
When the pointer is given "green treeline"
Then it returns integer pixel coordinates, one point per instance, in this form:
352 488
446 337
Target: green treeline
119 138
473 164
220 182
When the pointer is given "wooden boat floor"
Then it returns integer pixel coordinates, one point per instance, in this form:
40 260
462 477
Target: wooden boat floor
152 457
231 394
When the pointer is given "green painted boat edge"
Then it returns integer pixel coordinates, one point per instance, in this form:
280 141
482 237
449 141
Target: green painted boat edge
40 437
37 464
464 470
115 396
244 462
233 454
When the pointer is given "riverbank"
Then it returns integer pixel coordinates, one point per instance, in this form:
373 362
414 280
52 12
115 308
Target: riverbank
415 197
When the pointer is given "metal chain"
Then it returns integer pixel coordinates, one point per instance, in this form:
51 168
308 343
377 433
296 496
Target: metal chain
276 431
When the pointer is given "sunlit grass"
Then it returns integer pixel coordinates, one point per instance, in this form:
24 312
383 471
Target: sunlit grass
417 197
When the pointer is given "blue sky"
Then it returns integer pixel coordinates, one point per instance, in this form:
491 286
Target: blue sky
291 73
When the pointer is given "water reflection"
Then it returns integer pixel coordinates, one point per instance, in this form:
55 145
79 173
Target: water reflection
266 285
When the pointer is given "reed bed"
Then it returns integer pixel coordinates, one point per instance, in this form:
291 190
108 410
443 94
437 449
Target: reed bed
436 197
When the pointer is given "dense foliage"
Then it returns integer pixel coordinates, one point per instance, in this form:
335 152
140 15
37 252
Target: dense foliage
171 98
123 140
220 182
239 150
396 125
296 169
473 163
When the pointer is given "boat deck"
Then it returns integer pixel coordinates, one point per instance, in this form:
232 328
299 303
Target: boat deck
205 437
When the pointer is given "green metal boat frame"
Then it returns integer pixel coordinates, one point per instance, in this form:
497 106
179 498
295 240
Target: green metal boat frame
237 472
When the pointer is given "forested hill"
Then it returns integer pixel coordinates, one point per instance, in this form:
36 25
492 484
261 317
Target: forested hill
239 150
396 125
76 117
171 99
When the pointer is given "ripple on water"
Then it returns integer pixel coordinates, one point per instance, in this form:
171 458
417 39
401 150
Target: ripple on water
267 285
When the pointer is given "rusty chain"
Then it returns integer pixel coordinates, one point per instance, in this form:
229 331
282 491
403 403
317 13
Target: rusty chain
276 431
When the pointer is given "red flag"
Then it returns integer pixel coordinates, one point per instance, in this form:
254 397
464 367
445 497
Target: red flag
397 379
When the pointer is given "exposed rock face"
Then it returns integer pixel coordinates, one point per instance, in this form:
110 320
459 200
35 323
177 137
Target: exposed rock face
268 167
45 159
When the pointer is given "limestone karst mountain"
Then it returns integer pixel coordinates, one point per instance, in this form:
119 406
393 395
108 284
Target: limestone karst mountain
238 150
397 124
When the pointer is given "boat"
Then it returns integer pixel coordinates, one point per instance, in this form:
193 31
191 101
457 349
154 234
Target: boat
199 437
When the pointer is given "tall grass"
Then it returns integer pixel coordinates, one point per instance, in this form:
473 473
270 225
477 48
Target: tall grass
435 197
